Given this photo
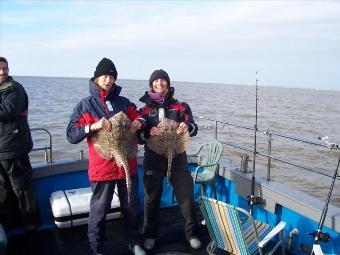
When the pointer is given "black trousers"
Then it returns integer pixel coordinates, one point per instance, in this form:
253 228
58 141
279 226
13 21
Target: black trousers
155 167
17 196
100 204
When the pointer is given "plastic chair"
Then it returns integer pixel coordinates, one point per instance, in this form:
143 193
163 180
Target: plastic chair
205 173
236 235
318 251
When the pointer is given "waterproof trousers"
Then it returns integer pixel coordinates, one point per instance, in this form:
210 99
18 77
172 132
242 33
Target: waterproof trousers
155 167
17 196
100 204
3 240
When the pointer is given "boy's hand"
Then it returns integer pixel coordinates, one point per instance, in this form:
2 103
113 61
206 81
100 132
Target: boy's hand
102 123
154 131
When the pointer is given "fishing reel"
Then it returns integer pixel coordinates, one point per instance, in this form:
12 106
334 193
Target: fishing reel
255 200
320 236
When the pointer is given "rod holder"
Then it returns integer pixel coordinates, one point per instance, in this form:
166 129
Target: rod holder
292 233
81 154
244 163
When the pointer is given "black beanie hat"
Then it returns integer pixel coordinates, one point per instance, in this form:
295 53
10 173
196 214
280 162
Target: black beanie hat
159 74
105 67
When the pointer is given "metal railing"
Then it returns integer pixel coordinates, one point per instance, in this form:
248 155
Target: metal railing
268 134
46 149
269 137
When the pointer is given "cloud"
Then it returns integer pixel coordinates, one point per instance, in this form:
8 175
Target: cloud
233 35
160 24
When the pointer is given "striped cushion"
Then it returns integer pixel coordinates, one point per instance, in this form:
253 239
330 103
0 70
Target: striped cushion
248 232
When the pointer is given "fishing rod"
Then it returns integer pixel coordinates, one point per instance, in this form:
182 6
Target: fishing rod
318 235
252 199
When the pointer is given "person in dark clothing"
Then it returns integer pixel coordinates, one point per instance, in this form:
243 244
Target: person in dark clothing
159 104
90 115
16 183
3 240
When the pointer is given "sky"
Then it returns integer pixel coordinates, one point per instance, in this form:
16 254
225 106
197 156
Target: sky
289 43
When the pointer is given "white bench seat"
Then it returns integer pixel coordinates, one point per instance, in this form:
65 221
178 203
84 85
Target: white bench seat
71 207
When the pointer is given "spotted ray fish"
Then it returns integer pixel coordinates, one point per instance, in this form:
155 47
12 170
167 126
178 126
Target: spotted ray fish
169 143
118 144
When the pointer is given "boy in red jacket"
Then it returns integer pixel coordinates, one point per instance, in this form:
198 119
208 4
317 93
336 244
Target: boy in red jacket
90 115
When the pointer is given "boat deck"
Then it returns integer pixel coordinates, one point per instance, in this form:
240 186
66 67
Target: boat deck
73 241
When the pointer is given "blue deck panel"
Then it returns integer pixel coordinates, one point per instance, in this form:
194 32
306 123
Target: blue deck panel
225 192
46 185
293 219
306 226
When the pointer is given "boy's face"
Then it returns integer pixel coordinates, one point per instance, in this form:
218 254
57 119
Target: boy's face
3 71
105 82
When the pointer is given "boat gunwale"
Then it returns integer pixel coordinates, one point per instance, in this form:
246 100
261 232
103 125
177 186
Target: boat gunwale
272 191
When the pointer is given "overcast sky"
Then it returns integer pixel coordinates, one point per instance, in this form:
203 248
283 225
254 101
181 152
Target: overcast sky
290 43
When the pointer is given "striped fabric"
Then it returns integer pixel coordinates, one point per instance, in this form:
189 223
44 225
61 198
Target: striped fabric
222 220
248 232
226 229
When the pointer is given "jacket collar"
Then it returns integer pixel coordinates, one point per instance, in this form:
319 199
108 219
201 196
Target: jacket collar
168 100
95 91
6 83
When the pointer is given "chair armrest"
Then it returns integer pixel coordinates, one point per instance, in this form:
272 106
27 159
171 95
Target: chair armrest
317 249
207 165
196 153
200 166
279 227
196 173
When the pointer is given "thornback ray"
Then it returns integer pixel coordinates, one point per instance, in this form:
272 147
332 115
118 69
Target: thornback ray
118 144
168 143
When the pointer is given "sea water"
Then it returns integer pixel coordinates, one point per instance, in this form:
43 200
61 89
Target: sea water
303 113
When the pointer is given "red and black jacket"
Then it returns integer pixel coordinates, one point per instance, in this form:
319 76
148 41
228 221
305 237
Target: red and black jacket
90 110
172 109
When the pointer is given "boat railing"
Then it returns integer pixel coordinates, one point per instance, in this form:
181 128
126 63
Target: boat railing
269 137
47 149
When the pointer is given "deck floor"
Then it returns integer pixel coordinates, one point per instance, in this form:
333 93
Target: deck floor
74 241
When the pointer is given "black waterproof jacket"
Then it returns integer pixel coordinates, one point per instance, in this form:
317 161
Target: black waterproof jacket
15 134
173 109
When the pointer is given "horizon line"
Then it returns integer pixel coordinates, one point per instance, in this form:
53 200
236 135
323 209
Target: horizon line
207 83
